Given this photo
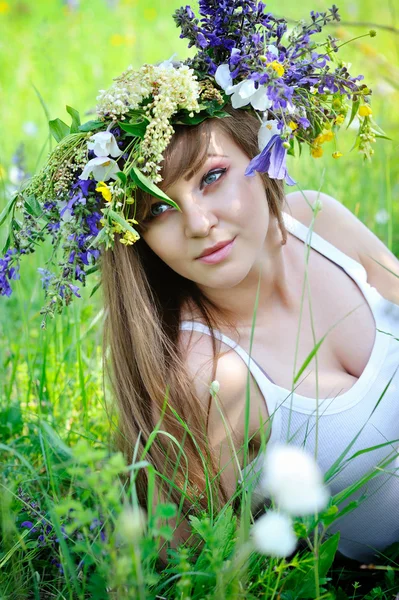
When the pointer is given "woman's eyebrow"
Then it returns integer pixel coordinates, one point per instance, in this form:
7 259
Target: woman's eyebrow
191 173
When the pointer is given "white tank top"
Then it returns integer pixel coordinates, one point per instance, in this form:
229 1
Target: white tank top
369 410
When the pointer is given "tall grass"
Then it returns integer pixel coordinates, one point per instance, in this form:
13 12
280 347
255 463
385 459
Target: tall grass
56 417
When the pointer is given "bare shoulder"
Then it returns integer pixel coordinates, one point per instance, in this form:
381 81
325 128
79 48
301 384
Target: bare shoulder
339 226
332 221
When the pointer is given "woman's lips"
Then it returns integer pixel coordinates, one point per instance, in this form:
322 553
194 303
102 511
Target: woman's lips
218 256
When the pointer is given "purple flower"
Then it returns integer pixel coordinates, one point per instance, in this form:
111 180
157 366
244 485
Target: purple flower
272 160
7 273
75 290
29 525
92 221
303 122
46 277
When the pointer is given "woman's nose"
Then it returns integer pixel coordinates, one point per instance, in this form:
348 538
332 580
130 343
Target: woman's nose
198 219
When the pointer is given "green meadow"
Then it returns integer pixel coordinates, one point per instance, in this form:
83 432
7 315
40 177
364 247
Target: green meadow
57 419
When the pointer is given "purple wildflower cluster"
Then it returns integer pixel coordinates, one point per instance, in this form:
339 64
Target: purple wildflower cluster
295 81
43 532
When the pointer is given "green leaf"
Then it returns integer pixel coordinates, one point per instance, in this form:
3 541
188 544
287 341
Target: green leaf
302 580
55 442
122 177
165 511
58 129
75 119
185 119
119 219
148 186
32 206
91 126
93 291
134 129
355 108
7 209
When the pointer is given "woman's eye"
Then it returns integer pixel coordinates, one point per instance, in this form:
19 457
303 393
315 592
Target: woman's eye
158 208
212 177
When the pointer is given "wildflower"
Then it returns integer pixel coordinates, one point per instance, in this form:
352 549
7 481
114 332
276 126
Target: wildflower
293 479
214 388
244 92
273 535
267 130
272 160
292 125
102 167
29 128
277 67
104 189
337 154
382 217
365 111
104 144
317 151
131 523
339 120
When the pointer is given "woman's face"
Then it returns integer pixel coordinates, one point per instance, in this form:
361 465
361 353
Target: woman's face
218 205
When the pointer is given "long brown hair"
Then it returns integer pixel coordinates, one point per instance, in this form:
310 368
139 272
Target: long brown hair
143 301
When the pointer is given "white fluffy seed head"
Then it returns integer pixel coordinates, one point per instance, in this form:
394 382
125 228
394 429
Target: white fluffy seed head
293 479
273 535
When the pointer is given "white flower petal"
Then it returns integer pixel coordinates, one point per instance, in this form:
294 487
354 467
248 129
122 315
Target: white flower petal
238 101
272 49
102 167
273 535
246 88
267 130
259 100
223 77
104 144
303 501
293 479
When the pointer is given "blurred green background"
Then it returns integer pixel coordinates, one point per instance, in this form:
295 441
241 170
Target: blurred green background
55 53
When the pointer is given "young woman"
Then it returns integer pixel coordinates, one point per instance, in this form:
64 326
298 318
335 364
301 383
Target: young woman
180 306
187 265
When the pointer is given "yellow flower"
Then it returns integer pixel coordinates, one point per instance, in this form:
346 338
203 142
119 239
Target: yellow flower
104 190
337 154
365 111
328 136
4 8
339 120
129 238
278 67
292 125
317 151
117 39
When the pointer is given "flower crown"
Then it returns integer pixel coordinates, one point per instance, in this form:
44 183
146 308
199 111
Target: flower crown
82 196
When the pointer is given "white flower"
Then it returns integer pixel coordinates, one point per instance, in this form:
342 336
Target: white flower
167 64
267 130
29 128
293 479
214 388
382 217
272 49
102 167
273 535
131 523
16 175
104 144
244 92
